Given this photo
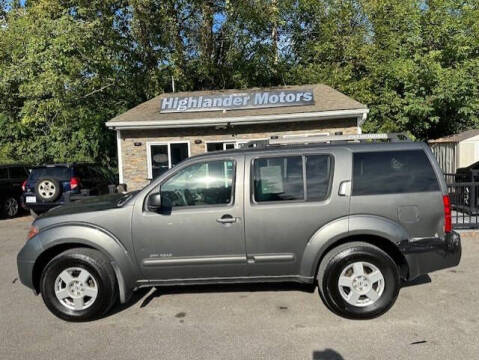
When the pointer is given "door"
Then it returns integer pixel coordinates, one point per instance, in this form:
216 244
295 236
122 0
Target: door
200 232
163 156
290 197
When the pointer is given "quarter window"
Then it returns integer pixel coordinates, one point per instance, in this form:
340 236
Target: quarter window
278 179
201 184
318 176
392 172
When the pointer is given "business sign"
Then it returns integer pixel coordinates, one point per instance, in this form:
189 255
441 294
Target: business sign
244 100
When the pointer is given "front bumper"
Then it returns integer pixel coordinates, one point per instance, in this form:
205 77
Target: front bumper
26 260
426 255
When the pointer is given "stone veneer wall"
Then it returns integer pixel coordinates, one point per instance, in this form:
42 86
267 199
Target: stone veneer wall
135 168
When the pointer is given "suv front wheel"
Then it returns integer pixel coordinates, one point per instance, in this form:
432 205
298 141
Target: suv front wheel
78 285
358 280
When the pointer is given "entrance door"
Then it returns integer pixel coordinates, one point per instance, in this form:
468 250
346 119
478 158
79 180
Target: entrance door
163 156
200 233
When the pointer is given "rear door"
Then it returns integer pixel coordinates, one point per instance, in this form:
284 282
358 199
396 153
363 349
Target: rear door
288 197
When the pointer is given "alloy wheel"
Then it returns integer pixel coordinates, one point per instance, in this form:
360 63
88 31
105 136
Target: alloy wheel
361 284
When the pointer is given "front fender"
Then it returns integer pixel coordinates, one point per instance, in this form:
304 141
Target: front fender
341 228
91 236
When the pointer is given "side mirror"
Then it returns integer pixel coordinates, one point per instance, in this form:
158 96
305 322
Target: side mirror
154 201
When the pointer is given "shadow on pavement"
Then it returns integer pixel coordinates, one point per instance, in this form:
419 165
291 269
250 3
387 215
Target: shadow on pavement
327 354
148 294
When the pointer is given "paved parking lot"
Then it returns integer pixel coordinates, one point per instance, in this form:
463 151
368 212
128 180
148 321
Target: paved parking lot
438 319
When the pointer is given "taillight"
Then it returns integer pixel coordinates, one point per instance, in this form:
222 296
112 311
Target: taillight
24 185
447 213
74 182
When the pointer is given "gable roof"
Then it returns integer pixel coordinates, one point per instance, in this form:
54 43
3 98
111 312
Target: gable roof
148 114
456 137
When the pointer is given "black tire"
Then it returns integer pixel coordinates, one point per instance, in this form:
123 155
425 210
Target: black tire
338 259
10 207
102 273
44 195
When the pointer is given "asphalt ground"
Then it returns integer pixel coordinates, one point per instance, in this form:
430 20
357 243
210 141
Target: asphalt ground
435 318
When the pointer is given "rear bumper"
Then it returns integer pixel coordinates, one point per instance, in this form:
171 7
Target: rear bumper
426 255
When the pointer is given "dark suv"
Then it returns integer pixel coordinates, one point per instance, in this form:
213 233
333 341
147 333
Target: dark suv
355 219
52 185
11 179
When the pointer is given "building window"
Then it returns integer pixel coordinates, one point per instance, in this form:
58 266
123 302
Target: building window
163 156
223 145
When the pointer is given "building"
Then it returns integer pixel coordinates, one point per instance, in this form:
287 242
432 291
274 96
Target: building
156 135
456 151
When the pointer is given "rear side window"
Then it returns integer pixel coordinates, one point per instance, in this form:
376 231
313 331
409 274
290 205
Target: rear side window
3 173
318 176
57 172
278 178
282 178
392 172
18 172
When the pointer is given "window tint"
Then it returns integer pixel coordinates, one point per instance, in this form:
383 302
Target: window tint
18 173
57 172
208 183
318 176
278 178
393 172
4 173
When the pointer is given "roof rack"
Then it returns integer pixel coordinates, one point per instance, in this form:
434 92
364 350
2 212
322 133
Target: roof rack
328 139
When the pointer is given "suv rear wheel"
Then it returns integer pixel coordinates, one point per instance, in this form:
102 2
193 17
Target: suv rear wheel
358 280
78 285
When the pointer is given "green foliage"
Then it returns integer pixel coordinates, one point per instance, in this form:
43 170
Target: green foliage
66 67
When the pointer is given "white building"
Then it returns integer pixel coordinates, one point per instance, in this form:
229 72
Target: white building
456 151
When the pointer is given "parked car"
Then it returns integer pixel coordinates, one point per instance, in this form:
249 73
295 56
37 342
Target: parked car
48 186
468 173
357 219
11 180
465 197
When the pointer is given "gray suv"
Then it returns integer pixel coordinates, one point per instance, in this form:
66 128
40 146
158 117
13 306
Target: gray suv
358 219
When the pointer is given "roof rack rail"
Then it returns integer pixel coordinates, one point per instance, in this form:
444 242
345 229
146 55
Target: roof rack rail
301 139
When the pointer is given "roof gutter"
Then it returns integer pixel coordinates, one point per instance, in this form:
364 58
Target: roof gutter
239 120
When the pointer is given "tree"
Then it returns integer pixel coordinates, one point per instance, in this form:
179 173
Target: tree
66 67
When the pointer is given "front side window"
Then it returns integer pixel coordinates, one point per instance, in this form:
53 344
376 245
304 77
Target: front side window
278 179
392 172
201 184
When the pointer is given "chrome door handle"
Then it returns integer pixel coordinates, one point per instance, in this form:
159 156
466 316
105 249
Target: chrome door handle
226 219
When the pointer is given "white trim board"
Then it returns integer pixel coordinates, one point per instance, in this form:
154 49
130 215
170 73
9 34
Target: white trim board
119 157
241 120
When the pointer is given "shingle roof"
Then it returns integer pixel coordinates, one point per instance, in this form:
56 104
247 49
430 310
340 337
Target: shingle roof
456 137
326 99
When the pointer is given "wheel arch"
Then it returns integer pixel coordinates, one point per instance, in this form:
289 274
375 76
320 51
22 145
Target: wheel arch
59 239
374 230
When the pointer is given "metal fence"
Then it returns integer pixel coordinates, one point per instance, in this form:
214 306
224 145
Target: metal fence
464 197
